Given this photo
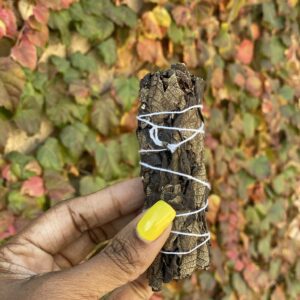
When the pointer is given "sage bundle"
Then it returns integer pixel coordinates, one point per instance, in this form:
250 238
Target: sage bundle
171 136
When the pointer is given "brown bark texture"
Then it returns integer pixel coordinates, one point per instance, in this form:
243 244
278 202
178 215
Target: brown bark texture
174 90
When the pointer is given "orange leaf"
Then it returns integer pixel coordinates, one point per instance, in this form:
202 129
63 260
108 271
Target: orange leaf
151 51
245 52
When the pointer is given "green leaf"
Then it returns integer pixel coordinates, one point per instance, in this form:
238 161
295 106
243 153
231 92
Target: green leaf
60 20
275 268
65 111
95 29
276 213
249 125
50 155
108 51
259 167
278 184
104 116
90 142
175 33
91 184
121 15
129 149
28 116
127 90
107 160
264 246
73 137
83 62
18 164
287 92
62 65
270 16
77 13
16 202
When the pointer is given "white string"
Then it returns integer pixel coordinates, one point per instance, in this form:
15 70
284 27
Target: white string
193 212
153 133
191 234
205 183
189 251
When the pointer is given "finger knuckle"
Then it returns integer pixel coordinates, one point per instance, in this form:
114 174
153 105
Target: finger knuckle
124 255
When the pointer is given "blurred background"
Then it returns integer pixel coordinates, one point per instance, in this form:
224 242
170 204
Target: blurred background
69 82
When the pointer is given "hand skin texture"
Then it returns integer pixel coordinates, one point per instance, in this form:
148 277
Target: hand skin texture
47 259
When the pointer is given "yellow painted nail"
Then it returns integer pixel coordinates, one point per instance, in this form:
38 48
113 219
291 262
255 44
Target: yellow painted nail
155 220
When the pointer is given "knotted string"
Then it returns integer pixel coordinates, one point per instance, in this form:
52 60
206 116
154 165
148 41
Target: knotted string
153 133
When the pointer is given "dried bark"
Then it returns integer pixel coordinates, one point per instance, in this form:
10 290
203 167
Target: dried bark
174 90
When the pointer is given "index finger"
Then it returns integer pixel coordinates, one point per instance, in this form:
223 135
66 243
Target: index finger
66 221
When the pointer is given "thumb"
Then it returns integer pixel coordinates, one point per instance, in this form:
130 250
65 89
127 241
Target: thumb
132 251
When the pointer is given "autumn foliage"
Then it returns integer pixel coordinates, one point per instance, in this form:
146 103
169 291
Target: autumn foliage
69 81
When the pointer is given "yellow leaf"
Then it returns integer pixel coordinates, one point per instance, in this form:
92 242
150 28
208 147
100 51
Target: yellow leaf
162 16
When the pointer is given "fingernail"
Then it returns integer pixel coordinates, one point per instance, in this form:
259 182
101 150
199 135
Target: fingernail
155 220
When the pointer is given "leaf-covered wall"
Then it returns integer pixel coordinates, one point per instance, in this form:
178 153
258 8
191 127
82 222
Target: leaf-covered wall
69 80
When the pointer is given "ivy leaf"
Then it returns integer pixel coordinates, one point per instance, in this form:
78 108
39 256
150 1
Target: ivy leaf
270 16
127 90
29 113
34 187
104 116
95 29
91 184
25 53
108 51
259 167
121 15
107 160
12 82
62 65
82 62
175 33
249 125
65 111
129 148
16 202
50 155
58 187
19 163
60 20
73 137
245 52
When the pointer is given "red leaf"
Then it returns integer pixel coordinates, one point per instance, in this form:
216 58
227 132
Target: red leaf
245 52
33 187
8 25
41 13
25 53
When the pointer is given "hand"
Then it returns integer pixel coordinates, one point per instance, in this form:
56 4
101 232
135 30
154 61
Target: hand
47 259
